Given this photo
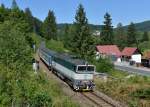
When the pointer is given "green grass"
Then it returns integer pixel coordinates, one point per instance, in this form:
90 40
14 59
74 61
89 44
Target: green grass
117 74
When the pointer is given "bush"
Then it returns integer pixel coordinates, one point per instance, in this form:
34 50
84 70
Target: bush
141 93
103 65
41 100
138 79
37 39
55 45
144 45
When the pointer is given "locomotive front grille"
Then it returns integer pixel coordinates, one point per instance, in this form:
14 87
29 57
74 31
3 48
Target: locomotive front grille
85 85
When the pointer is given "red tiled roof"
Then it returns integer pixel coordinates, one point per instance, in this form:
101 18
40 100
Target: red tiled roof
109 50
128 51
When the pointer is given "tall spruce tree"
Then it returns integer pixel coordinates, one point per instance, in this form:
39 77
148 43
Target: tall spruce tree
29 18
49 28
120 36
2 5
131 35
107 30
66 36
14 5
2 12
37 26
82 42
145 36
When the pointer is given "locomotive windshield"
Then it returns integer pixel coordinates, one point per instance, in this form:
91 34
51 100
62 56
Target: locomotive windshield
85 69
90 68
81 68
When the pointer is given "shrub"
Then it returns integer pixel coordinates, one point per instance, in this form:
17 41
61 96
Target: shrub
103 65
41 100
138 79
55 45
141 93
144 45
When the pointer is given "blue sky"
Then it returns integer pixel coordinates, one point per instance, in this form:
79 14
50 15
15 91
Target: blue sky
123 11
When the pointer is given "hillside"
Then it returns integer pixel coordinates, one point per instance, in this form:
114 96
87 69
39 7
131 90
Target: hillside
92 26
142 26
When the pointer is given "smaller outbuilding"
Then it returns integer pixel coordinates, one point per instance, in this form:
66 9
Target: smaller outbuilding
108 51
146 59
146 55
132 54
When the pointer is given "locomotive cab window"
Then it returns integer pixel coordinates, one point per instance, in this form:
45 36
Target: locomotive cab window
90 68
85 69
81 68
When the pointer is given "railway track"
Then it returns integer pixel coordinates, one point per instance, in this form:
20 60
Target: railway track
97 100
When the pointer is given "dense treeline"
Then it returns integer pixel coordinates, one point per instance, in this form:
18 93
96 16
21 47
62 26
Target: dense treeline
19 85
120 36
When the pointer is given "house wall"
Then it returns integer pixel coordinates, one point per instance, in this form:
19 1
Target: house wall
136 58
111 57
126 58
98 55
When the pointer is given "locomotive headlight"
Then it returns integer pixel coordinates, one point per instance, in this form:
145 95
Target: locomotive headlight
77 87
87 87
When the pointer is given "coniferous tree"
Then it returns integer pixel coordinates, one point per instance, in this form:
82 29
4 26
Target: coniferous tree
145 37
107 30
16 14
37 26
120 36
66 38
14 5
82 42
131 35
3 6
29 18
2 12
49 28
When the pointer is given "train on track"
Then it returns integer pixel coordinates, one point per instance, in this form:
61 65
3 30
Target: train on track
76 72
